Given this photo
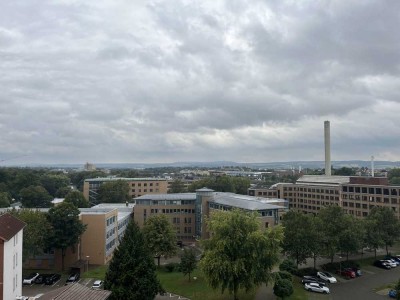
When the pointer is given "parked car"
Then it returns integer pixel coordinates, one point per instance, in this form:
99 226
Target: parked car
97 284
346 272
74 277
30 279
382 264
316 287
392 294
41 278
393 263
357 271
53 278
327 277
308 279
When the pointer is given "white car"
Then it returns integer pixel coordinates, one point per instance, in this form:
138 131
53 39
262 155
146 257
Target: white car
30 279
391 263
316 287
97 284
327 277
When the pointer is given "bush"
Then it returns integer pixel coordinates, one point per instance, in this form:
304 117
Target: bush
306 272
283 288
283 275
288 265
171 267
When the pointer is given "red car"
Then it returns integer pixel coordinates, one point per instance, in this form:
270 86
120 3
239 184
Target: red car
347 272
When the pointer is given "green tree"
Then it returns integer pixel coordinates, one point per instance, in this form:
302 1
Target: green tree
53 182
177 186
76 198
5 199
35 196
344 171
132 272
67 228
289 266
160 236
373 238
239 254
297 238
78 178
316 238
36 231
283 288
397 288
333 221
114 192
352 237
394 176
386 225
241 185
188 262
63 191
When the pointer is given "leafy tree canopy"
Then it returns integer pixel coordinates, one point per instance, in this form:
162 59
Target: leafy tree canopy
132 272
177 186
114 192
67 228
238 254
53 182
76 198
5 199
160 236
35 196
222 184
188 262
283 288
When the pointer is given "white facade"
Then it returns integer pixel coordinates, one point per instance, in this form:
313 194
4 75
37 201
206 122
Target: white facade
12 267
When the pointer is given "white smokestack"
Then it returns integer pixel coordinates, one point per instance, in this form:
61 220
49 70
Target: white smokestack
327 136
372 166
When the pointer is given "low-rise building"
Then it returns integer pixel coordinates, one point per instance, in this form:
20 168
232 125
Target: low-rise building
11 235
187 211
137 186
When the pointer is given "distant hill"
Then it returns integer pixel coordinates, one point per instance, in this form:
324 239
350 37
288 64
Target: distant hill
218 164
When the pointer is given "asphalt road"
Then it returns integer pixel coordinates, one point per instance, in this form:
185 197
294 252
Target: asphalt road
362 288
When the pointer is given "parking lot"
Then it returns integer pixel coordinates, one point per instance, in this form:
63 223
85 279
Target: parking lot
36 290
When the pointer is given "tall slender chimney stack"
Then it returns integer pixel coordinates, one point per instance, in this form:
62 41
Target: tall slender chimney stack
327 139
372 167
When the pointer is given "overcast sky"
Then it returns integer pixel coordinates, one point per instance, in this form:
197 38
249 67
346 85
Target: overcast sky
164 81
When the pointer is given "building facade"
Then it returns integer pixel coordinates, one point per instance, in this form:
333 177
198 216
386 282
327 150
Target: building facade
137 186
187 212
356 195
11 235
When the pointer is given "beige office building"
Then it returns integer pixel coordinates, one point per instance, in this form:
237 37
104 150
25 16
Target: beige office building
137 186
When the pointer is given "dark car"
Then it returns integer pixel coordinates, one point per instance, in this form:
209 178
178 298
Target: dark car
42 278
382 264
309 279
53 278
347 272
74 277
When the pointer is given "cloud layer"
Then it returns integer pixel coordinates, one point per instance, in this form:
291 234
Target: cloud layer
164 81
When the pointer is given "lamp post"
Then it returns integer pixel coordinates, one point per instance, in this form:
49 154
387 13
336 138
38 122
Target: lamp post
87 263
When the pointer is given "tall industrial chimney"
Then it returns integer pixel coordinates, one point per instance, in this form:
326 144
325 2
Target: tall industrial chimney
327 136
372 167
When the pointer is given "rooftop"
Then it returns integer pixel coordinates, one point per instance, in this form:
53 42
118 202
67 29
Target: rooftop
125 179
76 291
178 196
244 201
323 179
10 226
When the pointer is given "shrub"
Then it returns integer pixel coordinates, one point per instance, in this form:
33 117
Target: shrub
283 288
171 267
288 265
283 275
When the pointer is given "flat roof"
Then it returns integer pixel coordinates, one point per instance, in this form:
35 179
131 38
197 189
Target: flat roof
177 196
323 179
244 201
125 179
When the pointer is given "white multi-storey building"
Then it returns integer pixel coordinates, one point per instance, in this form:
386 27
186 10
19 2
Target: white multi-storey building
11 233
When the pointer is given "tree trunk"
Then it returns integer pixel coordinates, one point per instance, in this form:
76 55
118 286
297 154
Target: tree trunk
387 249
62 258
235 288
158 259
189 277
375 252
347 256
315 261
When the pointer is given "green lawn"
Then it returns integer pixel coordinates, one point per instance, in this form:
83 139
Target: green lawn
198 289
97 273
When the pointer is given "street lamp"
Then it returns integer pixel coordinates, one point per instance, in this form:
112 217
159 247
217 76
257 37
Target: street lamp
87 263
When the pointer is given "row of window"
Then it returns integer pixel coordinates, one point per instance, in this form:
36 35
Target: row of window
145 190
172 211
164 202
110 232
185 230
370 199
110 245
370 190
123 223
145 184
111 220
177 220
311 190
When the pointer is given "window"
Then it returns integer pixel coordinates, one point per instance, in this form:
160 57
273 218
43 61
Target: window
266 224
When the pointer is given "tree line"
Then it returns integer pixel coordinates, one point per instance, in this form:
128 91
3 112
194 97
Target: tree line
332 231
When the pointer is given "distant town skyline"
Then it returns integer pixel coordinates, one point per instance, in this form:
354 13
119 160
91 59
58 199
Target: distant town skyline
169 81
